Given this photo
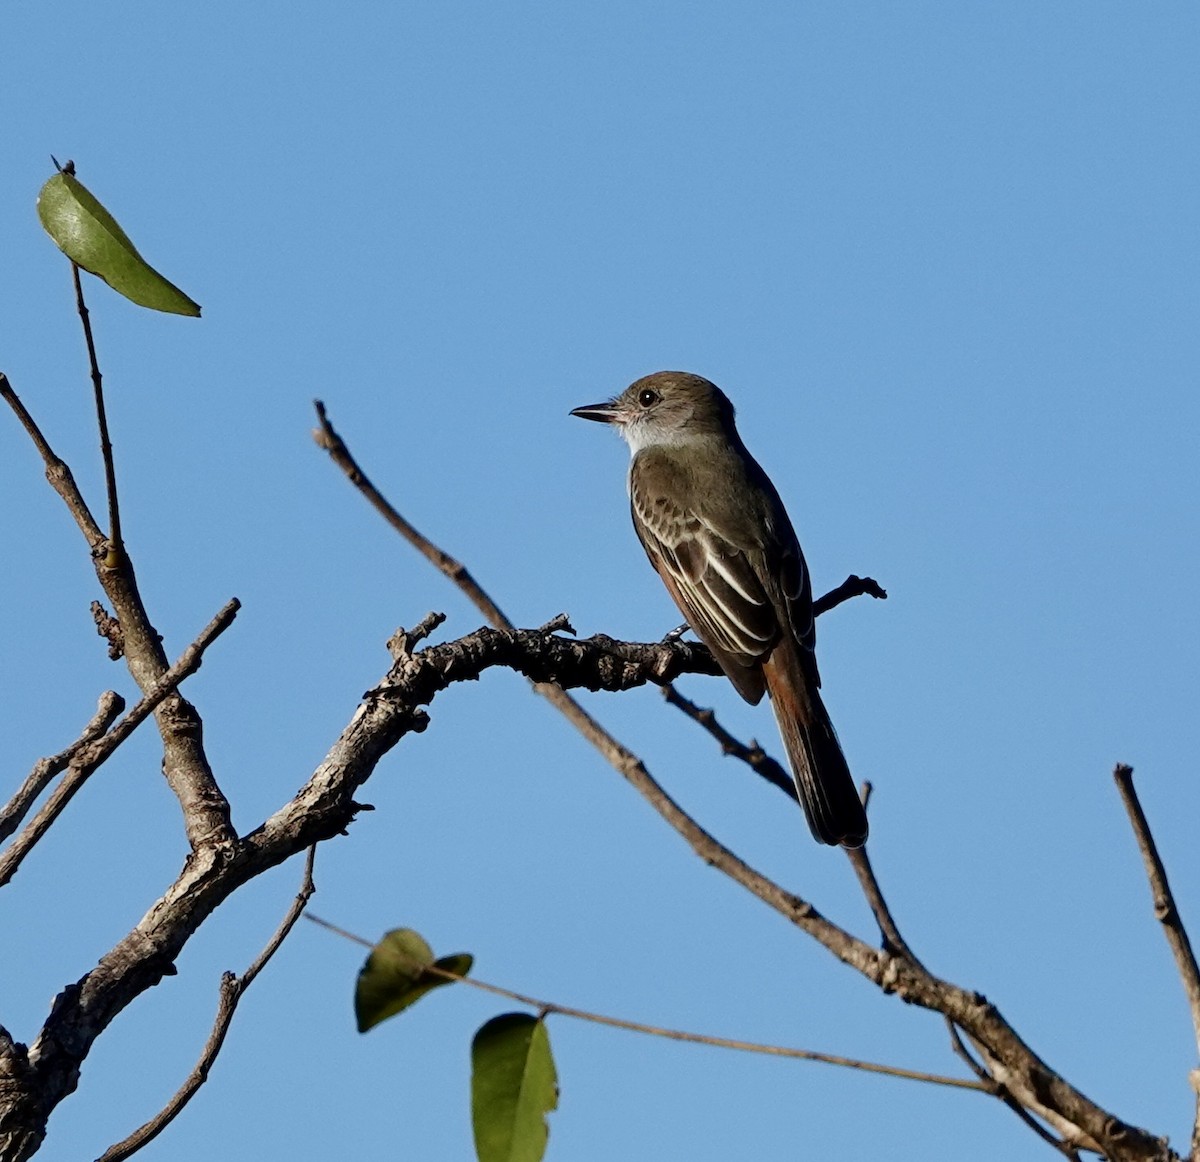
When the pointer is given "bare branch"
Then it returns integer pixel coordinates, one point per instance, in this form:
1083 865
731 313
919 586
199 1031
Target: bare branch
761 762
1167 914
328 439
752 754
893 942
995 1088
185 764
88 758
401 643
106 451
232 990
1165 910
324 806
111 704
852 587
57 471
1024 1072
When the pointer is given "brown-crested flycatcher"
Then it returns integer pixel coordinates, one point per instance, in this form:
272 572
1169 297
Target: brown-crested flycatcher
714 527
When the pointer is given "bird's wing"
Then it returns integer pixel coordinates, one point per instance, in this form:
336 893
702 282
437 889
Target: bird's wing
796 586
713 581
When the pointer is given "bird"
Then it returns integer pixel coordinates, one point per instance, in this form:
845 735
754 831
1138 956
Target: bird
716 531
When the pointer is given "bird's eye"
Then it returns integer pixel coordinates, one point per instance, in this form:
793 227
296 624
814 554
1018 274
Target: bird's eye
647 397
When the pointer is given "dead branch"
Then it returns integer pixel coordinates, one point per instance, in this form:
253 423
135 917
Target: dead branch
752 754
1167 914
185 764
88 758
852 587
1013 1062
231 992
106 449
111 704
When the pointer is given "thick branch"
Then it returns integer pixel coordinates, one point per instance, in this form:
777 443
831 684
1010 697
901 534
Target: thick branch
323 808
185 764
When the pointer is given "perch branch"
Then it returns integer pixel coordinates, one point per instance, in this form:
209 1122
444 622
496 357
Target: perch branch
325 806
1025 1071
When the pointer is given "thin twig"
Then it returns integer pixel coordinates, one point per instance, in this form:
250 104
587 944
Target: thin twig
852 587
1165 910
58 472
232 989
106 451
996 1089
752 754
547 1007
758 760
1167 914
893 942
328 439
860 861
111 704
88 758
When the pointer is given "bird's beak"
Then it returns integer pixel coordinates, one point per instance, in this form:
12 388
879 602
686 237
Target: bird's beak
603 413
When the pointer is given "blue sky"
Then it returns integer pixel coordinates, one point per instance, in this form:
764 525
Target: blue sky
942 256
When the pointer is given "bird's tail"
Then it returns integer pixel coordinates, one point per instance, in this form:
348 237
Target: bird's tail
826 788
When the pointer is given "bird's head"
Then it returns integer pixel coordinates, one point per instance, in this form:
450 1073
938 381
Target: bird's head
668 407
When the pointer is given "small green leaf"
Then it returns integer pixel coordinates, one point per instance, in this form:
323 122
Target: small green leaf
513 1087
396 975
90 237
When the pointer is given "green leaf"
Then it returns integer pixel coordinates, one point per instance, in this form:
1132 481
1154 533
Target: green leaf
90 237
397 975
513 1087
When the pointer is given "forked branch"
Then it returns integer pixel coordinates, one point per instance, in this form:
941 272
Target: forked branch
232 990
185 763
1010 1059
86 759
